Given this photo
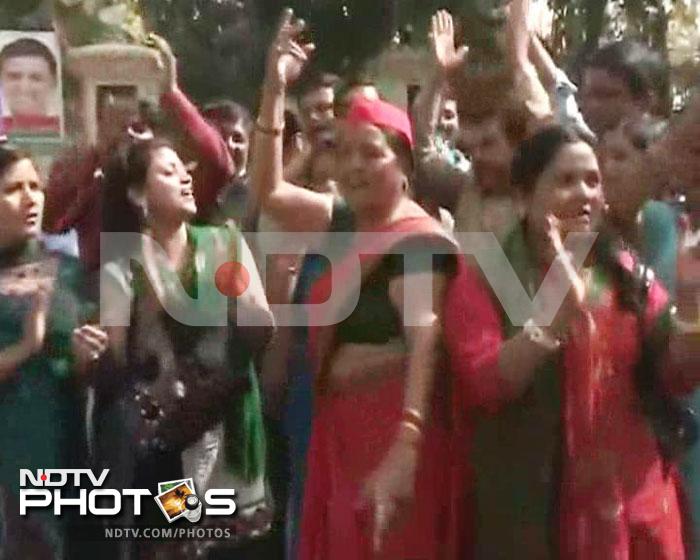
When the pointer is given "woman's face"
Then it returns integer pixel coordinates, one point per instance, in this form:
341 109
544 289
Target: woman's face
21 203
623 165
369 171
169 194
570 189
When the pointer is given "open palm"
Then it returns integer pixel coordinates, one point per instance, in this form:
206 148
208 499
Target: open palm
442 39
287 55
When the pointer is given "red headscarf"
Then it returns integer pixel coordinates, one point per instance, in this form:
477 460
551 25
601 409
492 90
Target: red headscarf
381 114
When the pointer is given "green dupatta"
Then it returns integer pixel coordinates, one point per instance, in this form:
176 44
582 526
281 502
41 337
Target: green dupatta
243 423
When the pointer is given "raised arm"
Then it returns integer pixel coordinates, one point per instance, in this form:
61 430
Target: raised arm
447 60
214 158
526 80
518 34
544 63
294 208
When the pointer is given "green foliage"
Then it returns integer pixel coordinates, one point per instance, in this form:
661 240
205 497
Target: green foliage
219 48
25 14
221 44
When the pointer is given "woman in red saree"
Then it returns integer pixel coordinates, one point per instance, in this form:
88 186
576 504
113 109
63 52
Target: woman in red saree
380 462
576 459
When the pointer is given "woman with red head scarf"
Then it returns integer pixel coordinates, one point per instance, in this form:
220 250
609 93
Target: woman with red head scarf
379 462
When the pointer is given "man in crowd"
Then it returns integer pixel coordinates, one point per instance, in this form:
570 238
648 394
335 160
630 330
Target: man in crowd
29 80
316 106
234 124
622 81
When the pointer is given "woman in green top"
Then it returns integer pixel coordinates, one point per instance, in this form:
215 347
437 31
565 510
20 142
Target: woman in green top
42 352
161 341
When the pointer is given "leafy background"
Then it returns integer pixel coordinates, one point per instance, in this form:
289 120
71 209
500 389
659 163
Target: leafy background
221 43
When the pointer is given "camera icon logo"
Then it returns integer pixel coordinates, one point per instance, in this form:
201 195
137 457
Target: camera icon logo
177 498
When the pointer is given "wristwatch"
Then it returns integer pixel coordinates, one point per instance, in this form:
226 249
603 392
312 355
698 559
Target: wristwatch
684 327
540 337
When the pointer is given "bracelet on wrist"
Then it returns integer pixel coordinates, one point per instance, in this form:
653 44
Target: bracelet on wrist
410 432
413 416
269 130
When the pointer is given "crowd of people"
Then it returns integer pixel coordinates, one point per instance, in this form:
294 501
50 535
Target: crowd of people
378 391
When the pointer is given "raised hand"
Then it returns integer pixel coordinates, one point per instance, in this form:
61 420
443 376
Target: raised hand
566 272
167 62
287 55
442 41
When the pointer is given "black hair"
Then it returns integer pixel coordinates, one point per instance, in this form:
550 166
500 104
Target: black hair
643 70
674 425
127 169
10 155
225 114
437 180
512 114
534 154
29 47
359 78
312 80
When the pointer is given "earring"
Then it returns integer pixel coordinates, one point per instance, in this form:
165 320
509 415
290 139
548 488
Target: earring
144 212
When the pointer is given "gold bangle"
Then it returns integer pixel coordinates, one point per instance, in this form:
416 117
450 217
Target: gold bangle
269 130
413 415
414 429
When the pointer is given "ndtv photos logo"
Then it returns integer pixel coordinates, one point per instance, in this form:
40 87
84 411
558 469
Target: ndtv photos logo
83 489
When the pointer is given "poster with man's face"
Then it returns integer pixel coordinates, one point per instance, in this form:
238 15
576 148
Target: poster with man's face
30 84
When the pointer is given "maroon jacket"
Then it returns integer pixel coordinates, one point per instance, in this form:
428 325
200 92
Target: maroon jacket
72 193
